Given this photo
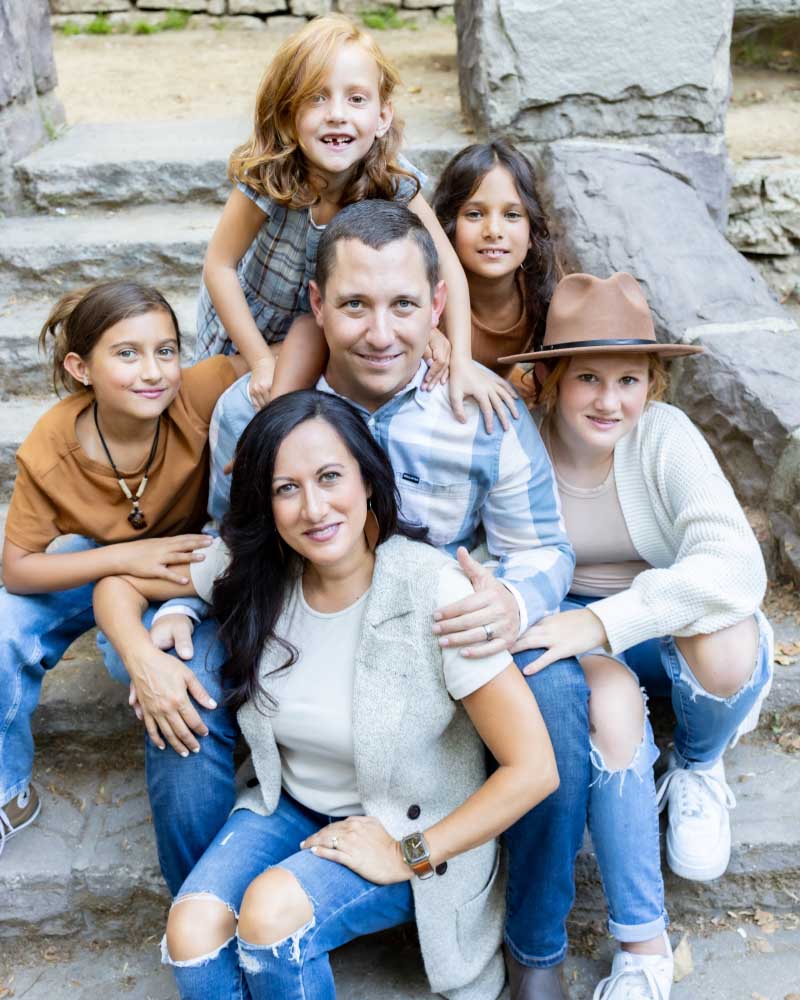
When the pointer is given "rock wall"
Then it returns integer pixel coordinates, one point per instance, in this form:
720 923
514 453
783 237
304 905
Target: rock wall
766 11
764 222
28 106
245 13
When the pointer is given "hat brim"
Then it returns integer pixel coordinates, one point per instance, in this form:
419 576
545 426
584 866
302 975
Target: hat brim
665 350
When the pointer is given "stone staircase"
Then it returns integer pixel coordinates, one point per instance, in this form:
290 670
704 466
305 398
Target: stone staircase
142 200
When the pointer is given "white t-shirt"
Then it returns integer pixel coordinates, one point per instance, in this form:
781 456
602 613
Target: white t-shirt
313 724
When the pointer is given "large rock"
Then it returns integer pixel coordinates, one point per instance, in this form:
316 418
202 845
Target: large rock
743 394
784 511
618 208
764 216
540 70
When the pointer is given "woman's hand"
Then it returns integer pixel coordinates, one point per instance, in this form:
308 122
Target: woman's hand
568 633
263 373
489 391
437 357
361 844
151 558
159 695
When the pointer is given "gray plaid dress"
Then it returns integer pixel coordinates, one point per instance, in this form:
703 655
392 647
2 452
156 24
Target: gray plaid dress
275 271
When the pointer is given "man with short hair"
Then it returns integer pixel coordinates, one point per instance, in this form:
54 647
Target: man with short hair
376 297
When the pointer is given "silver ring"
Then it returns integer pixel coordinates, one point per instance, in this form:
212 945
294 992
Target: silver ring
489 632
334 842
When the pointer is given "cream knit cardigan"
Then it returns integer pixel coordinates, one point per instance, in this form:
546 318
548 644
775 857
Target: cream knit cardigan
684 520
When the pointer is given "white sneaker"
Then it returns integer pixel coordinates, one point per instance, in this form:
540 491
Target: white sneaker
699 831
638 977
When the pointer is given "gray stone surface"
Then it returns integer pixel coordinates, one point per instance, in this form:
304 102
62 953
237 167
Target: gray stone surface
310 8
784 512
256 6
142 163
743 394
88 6
537 71
163 246
188 5
765 207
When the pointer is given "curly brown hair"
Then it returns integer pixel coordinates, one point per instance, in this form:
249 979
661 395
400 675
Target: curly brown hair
271 161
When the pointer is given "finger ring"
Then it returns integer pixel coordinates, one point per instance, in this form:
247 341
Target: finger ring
334 842
489 632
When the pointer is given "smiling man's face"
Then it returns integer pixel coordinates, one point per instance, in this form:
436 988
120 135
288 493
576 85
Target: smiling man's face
377 315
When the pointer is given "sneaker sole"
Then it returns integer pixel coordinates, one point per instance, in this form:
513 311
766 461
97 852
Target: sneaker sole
697 874
15 830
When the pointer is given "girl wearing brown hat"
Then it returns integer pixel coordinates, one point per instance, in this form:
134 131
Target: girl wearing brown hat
666 594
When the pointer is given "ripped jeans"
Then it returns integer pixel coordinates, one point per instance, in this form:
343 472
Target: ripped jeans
297 968
623 815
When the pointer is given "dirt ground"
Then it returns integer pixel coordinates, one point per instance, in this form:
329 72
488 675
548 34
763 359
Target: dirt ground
213 74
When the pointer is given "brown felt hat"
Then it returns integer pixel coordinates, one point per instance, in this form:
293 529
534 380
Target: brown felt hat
591 315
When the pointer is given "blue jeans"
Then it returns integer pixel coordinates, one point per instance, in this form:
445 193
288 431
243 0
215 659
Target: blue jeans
544 843
345 906
623 817
190 798
36 630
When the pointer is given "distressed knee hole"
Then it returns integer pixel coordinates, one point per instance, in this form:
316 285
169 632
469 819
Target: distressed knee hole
274 910
199 926
617 714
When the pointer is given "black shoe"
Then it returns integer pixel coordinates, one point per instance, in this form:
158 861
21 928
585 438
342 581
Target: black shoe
534 984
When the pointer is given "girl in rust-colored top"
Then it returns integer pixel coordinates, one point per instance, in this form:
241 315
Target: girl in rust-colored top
121 466
486 202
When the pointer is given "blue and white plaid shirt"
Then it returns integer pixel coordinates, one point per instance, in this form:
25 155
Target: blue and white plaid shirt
465 485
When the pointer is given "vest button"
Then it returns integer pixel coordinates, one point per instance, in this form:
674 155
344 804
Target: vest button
441 869
413 812
252 782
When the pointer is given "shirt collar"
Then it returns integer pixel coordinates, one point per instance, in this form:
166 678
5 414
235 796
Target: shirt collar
414 386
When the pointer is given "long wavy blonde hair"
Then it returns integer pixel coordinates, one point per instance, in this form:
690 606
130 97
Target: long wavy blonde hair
271 161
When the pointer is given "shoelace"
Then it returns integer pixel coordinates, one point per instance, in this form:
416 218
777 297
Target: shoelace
630 984
693 789
4 822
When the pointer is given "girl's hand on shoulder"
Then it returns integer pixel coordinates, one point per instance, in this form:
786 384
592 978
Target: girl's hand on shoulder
568 633
437 358
151 558
489 391
261 382
361 844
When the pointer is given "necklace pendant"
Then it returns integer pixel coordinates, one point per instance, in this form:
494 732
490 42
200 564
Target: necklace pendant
137 520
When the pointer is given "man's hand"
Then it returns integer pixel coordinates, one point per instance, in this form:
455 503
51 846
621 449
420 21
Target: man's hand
568 633
174 632
492 606
161 686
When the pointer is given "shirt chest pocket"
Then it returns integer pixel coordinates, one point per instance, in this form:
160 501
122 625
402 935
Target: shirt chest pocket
444 508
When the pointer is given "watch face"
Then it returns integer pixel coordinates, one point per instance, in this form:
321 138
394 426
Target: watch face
414 848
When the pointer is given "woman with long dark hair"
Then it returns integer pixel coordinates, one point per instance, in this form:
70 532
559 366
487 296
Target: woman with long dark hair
368 803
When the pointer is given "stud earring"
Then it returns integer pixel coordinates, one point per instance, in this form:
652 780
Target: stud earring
85 379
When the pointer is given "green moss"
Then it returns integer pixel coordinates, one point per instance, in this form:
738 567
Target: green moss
383 18
174 20
144 28
99 26
70 28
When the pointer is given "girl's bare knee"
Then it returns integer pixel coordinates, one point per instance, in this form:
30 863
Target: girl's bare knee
616 710
722 662
198 925
274 907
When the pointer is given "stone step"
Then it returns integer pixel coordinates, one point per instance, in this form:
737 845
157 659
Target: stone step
26 372
143 163
46 255
19 416
738 961
87 868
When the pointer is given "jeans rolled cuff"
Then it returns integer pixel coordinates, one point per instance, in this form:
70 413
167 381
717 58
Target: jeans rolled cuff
634 933
536 963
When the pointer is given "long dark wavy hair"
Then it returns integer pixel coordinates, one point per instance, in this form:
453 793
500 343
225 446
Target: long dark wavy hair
460 180
250 596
